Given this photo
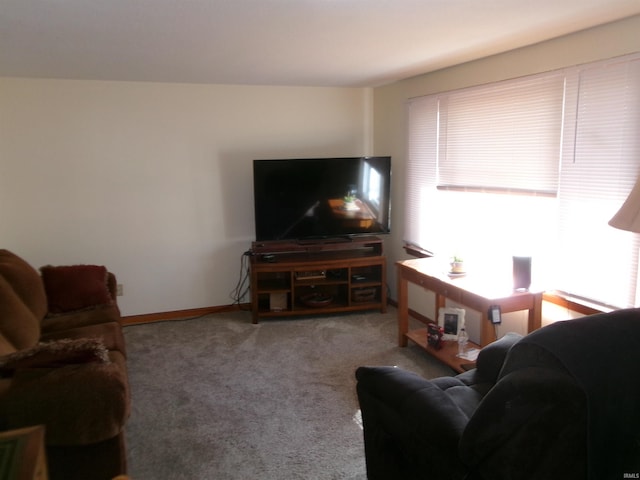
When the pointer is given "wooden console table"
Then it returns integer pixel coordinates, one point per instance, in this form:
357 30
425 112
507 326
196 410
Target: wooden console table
472 290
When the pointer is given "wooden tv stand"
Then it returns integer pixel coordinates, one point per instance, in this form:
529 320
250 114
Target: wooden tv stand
339 275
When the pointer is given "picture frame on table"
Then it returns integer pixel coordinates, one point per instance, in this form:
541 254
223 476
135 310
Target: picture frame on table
452 321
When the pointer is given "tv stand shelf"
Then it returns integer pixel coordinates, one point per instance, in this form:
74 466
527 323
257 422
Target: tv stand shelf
293 278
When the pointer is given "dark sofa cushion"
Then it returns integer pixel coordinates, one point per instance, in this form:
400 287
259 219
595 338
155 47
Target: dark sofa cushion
466 398
75 287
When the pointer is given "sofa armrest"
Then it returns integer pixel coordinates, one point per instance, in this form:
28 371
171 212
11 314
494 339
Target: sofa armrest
79 404
532 424
411 427
112 286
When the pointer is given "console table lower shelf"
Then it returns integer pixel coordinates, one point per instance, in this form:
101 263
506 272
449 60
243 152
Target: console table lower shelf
448 354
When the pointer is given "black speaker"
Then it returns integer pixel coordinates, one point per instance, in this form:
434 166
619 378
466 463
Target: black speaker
521 273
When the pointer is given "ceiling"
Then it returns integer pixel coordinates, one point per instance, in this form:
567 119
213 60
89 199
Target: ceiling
277 42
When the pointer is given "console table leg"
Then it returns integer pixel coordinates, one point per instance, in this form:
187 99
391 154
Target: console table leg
535 314
403 310
487 331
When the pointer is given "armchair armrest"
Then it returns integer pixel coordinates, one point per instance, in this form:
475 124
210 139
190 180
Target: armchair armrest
413 397
411 427
531 423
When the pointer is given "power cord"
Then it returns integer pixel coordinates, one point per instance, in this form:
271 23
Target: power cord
243 286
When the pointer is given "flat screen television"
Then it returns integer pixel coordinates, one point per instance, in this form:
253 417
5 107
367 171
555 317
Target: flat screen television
321 198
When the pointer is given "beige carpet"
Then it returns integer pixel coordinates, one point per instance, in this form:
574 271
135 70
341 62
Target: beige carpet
220 398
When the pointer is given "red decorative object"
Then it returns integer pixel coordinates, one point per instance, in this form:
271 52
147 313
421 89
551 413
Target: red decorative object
434 335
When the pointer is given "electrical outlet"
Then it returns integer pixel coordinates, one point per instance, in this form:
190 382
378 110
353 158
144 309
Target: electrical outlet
495 315
119 290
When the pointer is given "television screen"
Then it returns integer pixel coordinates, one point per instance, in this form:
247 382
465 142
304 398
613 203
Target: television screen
320 198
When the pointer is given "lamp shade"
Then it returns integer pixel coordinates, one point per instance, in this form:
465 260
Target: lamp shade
628 217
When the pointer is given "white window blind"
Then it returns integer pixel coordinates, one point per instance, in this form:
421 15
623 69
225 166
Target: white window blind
421 169
563 146
494 139
504 136
600 164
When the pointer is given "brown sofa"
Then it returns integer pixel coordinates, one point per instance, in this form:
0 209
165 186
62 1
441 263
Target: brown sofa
63 365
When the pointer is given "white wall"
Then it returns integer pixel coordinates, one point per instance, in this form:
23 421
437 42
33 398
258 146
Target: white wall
155 180
390 133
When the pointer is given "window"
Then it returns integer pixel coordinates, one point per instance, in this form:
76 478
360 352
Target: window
372 186
535 165
503 137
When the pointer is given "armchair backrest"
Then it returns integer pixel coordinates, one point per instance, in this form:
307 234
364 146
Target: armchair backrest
602 354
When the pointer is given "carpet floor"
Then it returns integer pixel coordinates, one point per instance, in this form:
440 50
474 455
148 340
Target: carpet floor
220 398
